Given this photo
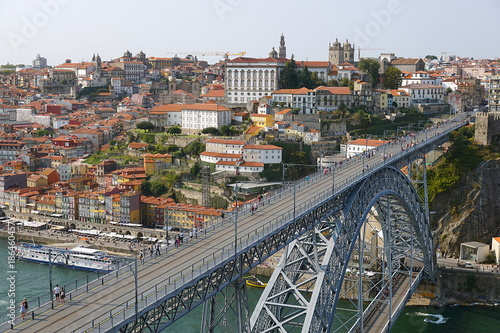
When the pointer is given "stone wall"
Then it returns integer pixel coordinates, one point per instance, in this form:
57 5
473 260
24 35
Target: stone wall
469 285
487 128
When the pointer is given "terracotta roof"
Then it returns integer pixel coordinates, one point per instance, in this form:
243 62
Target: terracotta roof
263 147
214 93
242 164
222 155
227 142
405 61
284 111
257 60
369 142
137 145
336 90
300 91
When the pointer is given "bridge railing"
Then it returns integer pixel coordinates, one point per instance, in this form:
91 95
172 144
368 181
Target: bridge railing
152 296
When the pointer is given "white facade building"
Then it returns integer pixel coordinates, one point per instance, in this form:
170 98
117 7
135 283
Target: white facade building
420 77
266 154
249 79
303 99
422 92
196 117
359 146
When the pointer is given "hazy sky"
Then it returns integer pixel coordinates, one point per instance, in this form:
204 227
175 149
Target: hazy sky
75 29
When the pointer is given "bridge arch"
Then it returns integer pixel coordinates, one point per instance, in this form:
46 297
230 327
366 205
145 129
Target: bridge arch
324 257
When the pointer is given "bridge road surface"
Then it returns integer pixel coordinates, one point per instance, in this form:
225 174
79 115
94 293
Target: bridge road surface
381 317
79 311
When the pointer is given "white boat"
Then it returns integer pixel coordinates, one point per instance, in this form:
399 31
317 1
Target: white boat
79 257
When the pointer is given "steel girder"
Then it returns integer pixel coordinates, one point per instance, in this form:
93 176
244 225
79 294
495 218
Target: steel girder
159 315
317 261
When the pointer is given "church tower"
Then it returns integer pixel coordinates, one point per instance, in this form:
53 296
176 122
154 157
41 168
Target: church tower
348 52
282 49
336 53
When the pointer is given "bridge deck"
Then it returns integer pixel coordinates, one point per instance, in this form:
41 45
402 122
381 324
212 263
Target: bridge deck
162 274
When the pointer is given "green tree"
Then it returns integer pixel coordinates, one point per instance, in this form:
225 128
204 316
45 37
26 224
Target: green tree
194 148
226 130
145 125
430 57
172 148
210 130
195 170
392 78
289 76
305 78
174 130
344 82
43 132
371 67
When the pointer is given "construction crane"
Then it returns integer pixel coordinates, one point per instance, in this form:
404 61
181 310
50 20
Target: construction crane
371 49
225 54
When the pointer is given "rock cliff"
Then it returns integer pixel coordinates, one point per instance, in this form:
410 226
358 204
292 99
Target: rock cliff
469 212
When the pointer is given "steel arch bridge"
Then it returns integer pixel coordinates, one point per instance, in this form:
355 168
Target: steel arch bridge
379 223
357 242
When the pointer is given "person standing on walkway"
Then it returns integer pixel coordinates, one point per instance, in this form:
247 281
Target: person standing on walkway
62 296
57 292
24 307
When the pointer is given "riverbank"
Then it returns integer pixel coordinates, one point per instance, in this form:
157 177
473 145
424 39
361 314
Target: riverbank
62 239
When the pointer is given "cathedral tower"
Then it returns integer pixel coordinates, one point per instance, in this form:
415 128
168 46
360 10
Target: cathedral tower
282 49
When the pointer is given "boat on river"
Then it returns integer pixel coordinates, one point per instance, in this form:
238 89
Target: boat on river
79 257
253 281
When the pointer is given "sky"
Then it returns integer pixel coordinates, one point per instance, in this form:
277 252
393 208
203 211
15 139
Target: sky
76 29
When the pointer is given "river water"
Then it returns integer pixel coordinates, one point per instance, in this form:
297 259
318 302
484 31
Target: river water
32 281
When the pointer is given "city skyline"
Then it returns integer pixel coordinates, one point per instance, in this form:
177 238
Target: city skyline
65 29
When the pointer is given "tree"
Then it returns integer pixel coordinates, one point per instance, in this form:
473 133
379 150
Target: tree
371 67
43 132
289 77
195 170
430 57
210 130
392 78
226 130
174 130
145 125
344 82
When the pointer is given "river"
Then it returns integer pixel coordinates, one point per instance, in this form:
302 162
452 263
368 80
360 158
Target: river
32 281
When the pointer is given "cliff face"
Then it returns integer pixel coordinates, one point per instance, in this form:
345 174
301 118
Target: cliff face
469 212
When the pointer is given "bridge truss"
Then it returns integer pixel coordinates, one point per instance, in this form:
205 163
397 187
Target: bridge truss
336 276
345 258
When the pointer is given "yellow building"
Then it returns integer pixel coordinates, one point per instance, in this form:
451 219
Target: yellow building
263 120
155 163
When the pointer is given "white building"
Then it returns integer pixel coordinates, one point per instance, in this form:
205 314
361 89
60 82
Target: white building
424 92
248 79
420 77
225 146
60 121
359 146
495 247
303 99
238 157
475 252
196 117
266 154
166 115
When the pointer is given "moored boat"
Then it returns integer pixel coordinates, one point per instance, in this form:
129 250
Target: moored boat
79 257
